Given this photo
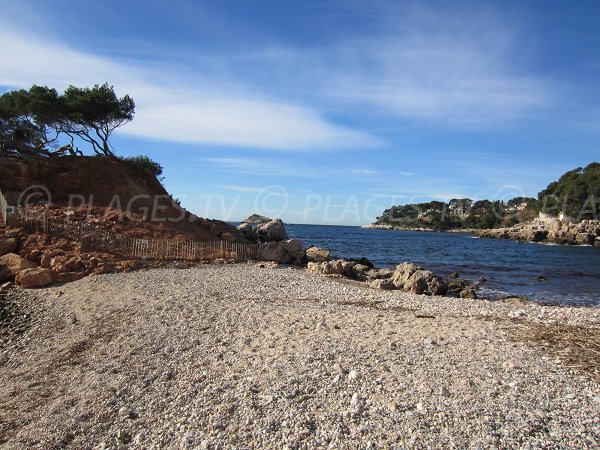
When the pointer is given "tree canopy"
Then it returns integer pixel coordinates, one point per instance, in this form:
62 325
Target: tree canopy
31 122
576 193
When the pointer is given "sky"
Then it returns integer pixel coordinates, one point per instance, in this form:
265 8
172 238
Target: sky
328 111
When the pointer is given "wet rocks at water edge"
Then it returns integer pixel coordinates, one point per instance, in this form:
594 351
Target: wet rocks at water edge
549 229
407 276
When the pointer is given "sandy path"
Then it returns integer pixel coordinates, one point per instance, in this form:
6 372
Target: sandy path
249 357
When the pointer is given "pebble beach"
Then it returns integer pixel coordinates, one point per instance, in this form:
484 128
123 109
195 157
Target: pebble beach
243 356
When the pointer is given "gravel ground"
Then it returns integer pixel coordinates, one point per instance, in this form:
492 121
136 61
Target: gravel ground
244 356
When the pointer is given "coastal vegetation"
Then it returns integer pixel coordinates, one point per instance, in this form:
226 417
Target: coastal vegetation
575 195
33 121
461 213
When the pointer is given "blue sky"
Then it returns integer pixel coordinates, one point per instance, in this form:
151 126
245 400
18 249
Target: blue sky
329 111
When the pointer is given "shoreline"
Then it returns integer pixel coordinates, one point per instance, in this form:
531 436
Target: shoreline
374 226
212 356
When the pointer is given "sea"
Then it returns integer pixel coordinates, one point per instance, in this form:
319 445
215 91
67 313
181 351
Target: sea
570 274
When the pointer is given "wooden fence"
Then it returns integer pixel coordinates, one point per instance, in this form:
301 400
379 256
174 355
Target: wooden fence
93 237
3 209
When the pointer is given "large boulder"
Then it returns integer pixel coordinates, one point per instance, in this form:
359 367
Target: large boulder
256 219
410 277
316 254
403 273
11 264
585 239
272 231
326 267
248 231
7 245
34 278
283 252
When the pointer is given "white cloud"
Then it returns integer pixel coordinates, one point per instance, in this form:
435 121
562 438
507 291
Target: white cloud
212 113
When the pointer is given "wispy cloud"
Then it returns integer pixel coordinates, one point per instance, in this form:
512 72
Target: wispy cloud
242 189
211 113
262 167
425 66
364 171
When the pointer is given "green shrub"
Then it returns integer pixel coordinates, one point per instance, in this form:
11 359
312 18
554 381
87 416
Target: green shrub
145 163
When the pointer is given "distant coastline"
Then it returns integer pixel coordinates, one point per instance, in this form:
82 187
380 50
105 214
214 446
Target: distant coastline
387 226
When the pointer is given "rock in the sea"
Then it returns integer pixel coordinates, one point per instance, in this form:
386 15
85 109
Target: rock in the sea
585 239
456 284
364 261
11 264
7 245
316 254
282 252
256 219
468 293
34 278
272 231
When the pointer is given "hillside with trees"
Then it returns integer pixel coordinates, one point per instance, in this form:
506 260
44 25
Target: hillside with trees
576 195
459 213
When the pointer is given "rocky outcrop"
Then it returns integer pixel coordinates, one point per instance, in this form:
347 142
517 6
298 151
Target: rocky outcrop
11 264
273 242
316 254
564 232
410 277
354 270
113 194
256 219
35 278
406 276
288 251
248 232
272 231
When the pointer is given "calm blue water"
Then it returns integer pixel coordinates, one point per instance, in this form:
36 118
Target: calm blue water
572 273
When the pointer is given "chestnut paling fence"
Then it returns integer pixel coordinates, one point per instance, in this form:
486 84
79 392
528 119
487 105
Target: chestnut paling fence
3 209
93 237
